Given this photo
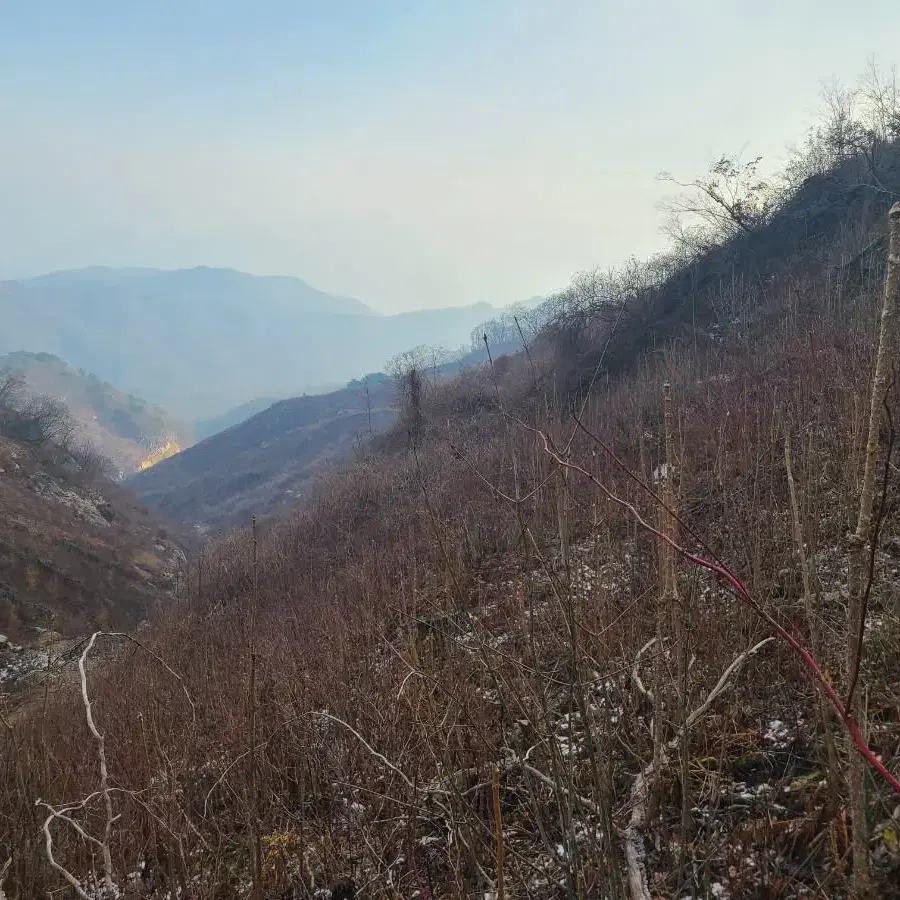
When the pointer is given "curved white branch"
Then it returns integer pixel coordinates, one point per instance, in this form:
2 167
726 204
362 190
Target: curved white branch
635 852
380 757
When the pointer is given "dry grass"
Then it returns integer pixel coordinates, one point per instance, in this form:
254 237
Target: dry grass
66 546
417 625
462 654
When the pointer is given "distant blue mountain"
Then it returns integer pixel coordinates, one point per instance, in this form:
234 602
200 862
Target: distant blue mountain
201 341
226 286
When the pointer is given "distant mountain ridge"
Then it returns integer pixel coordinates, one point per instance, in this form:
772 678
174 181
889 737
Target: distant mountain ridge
185 283
268 462
201 341
124 428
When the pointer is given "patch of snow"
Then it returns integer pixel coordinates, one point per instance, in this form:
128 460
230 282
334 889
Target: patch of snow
778 735
661 472
19 662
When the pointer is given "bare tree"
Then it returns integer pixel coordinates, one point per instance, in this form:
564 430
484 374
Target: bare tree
46 420
506 331
733 197
859 545
92 462
401 364
12 388
857 122
407 369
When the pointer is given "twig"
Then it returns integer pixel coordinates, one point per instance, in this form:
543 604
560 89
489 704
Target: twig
734 582
104 771
722 684
498 831
48 849
531 770
241 756
636 670
157 658
105 791
873 544
635 852
3 872
380 757
63 815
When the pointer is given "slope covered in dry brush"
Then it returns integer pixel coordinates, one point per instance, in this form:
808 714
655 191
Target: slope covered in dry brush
465 670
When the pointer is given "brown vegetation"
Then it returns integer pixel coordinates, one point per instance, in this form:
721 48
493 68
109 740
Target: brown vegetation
79 408
73 549
464 669
267 463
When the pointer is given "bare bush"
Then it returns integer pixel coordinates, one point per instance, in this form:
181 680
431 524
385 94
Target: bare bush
91 461
41 420
518 325
860 122
471 671
12 388
733 197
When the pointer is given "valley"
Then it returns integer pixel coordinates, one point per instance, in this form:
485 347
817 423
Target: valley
270 462
595 596
201 341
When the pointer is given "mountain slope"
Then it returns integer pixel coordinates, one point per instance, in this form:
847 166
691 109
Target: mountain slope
124 428
494 671
200 341
468 630
198 285
76 553
204 428
266 463
823 224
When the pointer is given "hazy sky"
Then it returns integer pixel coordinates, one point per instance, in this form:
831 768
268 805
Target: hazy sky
407 153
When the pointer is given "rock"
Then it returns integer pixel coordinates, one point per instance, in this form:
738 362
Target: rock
86 508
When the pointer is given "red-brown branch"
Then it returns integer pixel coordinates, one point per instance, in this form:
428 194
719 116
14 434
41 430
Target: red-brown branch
720 569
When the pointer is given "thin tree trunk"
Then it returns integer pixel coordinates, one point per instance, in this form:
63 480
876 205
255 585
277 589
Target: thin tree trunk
256 847
859 542
679 611
812 615
668 699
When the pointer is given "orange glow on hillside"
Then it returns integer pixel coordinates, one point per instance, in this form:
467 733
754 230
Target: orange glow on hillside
163 451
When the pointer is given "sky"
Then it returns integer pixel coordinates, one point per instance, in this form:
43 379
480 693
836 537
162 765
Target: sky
410 154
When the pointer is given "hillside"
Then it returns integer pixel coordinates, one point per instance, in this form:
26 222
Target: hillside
199 285
584 623
76 553
820 226
268 462
204 428
124 428
201 341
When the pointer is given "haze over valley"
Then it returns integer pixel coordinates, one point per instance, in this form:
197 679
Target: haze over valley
199 342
